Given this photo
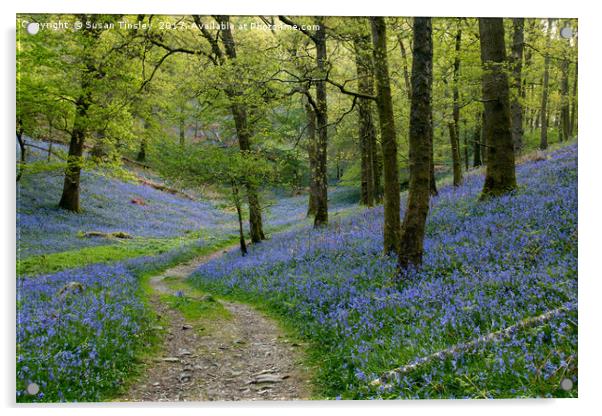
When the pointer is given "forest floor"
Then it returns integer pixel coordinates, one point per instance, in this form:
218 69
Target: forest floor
215 349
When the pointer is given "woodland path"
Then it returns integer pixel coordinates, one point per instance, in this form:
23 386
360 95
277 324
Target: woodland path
243 356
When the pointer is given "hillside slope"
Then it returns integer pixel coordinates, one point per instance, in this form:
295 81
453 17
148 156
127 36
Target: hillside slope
488 265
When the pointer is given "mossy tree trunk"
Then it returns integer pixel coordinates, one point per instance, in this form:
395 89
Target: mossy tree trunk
321 216
384 103
367 131
454 127
413 228
71 185
310 114
500 176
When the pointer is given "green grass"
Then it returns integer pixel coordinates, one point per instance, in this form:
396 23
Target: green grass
120 250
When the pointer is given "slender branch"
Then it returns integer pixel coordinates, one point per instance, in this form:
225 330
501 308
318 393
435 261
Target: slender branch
294 25
493 336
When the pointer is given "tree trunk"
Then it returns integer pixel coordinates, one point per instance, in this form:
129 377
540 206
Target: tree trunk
141 156
574 104
483 140
367 131
377 169
392 226
466 159
414 222
500 176
518 41
241 233
406 73
565 118
182 131
321 217
455 148
70 197
454 128
543 142
22 149
311 153
476 141
433 179
239 113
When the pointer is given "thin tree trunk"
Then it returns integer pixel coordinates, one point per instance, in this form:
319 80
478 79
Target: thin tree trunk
466 160
518 41
455 149
377 169
500 176
367 131
413 228
182 131
321 217
22 149
543 142
565 117
311 153
406 73
433 179
572 128
141 156
241 233
476 140
239 113
454 128
392 218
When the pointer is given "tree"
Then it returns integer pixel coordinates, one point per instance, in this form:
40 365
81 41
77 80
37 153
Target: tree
233 170
516 61
384 105
318 37
574 102
500 176
476 141
413 228
454 125
70 196
543 142
367 130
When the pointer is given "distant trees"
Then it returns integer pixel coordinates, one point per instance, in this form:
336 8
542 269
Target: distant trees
500 176
265 91
413 227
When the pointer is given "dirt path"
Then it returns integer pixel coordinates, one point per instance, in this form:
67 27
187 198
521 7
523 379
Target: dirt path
243 356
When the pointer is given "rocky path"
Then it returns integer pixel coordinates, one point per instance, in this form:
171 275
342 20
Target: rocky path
243 356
